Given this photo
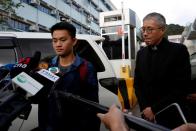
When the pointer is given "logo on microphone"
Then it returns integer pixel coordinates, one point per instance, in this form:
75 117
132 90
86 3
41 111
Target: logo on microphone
27 83
54 70
47 74
20 65
21 78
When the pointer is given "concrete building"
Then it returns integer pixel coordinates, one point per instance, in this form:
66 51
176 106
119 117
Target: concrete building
40 15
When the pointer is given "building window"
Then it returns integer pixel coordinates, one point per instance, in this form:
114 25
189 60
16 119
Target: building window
26 1
40 7
18 25
86 13
94 5
108 7
76 7
44 9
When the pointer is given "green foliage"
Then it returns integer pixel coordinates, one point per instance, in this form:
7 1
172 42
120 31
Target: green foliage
174 29
9 5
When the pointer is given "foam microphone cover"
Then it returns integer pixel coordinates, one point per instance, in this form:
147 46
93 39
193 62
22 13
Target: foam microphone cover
26 64
34 62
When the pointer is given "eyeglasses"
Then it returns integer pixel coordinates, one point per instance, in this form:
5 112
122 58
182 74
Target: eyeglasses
148 30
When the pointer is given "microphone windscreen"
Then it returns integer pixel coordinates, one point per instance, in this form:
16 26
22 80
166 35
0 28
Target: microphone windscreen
48 80
37 56
26 64
34 61
44 63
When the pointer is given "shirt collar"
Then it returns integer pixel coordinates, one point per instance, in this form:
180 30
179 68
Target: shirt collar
159 46
78 60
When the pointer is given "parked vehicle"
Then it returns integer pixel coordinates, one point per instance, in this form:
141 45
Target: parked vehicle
193 65
15 45
189 39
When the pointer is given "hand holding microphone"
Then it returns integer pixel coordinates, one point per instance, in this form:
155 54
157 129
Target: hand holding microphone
24 67
13 102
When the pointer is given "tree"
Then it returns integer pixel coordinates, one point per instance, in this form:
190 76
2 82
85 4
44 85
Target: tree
9 5
174 29
7 9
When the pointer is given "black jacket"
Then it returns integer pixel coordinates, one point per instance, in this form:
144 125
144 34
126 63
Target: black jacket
162 75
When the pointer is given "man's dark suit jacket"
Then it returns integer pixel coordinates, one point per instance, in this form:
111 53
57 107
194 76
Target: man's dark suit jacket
162 75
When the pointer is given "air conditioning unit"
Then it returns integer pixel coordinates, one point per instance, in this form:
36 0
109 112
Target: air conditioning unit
89 19
63 18
34 2
98 9
54 12
69 20
33 28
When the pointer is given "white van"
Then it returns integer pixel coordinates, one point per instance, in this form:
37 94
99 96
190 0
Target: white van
15 45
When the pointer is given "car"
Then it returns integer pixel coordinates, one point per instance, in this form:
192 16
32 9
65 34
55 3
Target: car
16 45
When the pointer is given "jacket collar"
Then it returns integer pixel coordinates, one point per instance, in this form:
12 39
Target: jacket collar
78 60
160 46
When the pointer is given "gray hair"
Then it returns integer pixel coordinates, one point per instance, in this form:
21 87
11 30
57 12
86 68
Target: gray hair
158 17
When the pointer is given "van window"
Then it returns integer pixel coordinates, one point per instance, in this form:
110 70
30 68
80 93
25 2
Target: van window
7 56
7 42
30 46
83 49
7 50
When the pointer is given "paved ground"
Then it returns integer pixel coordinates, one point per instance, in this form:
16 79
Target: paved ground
28 124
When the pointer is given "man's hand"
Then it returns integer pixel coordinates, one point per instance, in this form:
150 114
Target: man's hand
148 114
192 97
114 119
186 127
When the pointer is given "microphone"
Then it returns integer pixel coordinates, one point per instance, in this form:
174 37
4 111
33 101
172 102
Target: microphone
39 83
34 83
14 102
132 121
27 64
44 63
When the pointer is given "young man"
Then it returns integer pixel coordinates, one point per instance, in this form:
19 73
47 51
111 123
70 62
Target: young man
163 71
73 117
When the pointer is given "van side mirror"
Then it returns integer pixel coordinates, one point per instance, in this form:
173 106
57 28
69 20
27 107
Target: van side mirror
110 84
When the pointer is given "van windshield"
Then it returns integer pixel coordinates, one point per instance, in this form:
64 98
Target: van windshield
7 56
7 53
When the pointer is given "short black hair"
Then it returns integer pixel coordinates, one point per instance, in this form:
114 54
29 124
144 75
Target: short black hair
64 26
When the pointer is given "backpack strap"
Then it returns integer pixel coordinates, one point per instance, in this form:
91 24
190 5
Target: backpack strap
83 70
